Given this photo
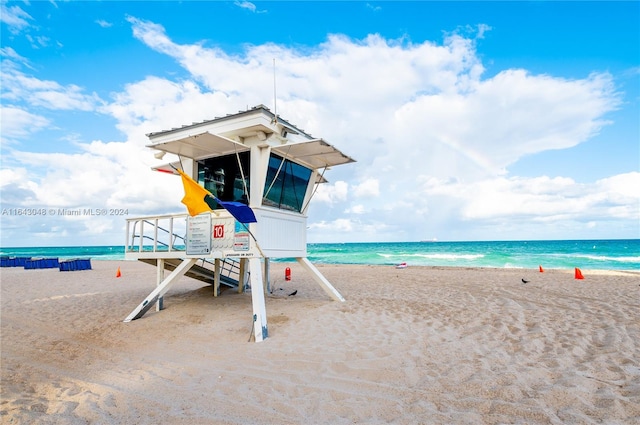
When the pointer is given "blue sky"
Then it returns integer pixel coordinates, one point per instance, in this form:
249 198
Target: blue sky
469 120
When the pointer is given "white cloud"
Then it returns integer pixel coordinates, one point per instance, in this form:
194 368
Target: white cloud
369 188
331 193
17 123
356 209
350 230
338 225
375 8
246 5
423 99
17 86
10 53
38 41
103 23
14 17
430 134
541 198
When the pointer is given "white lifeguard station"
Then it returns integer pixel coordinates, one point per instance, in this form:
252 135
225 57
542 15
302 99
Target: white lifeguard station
253 157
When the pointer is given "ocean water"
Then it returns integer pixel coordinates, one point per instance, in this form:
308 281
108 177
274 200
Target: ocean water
619 254
67 252
588 254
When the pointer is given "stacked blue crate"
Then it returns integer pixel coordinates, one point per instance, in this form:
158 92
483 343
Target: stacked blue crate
46 263
6 261
41 263
75 264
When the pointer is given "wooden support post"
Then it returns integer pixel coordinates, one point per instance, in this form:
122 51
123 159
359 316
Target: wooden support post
159 279
320 279
260 330
162 289
267 279
216 278
242 275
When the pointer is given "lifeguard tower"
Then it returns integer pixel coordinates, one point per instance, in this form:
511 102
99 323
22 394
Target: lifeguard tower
253 157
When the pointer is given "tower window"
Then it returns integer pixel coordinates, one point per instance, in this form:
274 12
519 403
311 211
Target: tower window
286 184
222 176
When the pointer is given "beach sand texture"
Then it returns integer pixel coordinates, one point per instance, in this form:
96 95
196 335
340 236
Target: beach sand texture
418 345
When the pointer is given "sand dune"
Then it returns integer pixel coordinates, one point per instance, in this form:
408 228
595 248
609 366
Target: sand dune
418 345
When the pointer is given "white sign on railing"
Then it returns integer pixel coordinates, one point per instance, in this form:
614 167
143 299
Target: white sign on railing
199 234
241 238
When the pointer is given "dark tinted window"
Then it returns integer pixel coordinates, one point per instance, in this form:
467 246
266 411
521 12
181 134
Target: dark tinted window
222 176
286 184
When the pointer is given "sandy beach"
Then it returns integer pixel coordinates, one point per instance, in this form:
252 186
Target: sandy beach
418 345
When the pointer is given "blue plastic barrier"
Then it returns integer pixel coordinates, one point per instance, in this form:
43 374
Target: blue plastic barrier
52 263
76 264
13 261
40 263
84 263
46 263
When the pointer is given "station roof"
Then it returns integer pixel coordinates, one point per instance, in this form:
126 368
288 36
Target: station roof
201 140
260 108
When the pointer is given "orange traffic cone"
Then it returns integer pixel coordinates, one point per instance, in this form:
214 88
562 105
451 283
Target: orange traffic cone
579 274
541 269
118 274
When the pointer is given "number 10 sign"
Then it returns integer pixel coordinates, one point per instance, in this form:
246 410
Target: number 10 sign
218 231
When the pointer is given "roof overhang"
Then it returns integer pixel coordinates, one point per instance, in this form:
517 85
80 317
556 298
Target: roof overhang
314 154
198 146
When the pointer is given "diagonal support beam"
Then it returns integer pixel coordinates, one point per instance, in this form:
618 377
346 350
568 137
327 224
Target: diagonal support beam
260 330
320 279
161 289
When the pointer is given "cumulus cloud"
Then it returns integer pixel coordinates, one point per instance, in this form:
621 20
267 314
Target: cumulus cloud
369 188
331 193
18 86
356 209
431 135
425 98
17 123
542 198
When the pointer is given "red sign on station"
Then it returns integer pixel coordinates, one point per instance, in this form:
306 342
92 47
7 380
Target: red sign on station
218 231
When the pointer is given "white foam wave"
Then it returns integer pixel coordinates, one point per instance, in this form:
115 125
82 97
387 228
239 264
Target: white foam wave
445 256
619 259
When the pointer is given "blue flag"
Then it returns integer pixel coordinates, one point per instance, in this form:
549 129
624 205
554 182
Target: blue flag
239 211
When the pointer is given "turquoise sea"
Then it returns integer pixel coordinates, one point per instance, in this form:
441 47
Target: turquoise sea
619 254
